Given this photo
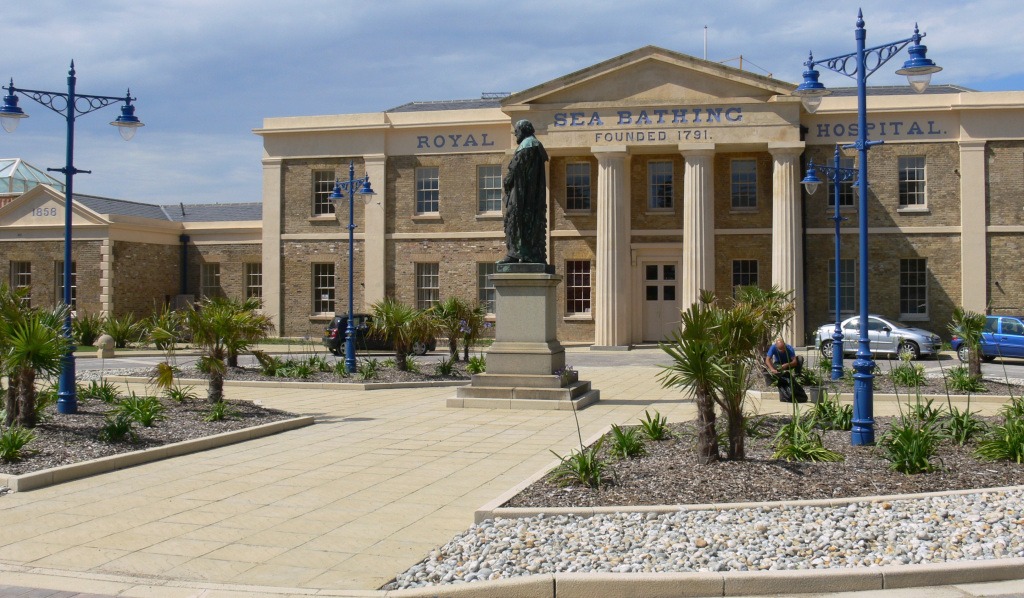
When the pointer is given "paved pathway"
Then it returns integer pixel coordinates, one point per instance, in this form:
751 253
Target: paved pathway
338 508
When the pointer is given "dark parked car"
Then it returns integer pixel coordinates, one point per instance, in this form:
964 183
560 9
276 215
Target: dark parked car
334 337
1003 336
884 335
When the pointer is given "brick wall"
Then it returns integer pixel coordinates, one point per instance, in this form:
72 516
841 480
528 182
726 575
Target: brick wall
725 216
1006 284
1005 166
642 217
145 276
576 220
297 205
232 260
43 257
297 292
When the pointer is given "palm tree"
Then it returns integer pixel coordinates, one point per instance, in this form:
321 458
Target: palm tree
476 321
969 326
450 316
11 312
221 327
698 368
403 324
36 344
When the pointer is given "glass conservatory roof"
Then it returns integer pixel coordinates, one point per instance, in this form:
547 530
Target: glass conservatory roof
18 176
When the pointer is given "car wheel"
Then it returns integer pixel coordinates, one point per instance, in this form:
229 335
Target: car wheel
335 350
988 358
419 348
964 353
908 349
826 349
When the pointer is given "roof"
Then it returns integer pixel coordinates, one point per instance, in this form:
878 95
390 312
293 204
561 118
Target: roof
899 90
216 212
447 105
18 176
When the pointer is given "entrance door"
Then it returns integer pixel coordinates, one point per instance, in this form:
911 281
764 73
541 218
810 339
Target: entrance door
661 303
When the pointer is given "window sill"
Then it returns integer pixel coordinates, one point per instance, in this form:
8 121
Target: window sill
913 210
659 212
432 217
324 218
489 216
914 317
743 210
584 317
321 317
578 212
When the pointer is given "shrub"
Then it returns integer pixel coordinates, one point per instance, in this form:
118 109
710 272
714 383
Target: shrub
144 410
477 365
340 369
368 368
220 410
910 445
445 367
756 425
907 374
655 427
13 441
581 467
268 363
798 440
86 328
961 380
961 426
926 412
117 428
181 394
45 399
1004 443
319 364
102 390
627 442
411 365
125 330
830 414
1014 409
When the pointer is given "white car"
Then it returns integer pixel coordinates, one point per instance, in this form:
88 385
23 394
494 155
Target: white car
885 336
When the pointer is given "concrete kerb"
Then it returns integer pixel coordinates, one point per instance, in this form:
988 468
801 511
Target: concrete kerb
66 473
354 386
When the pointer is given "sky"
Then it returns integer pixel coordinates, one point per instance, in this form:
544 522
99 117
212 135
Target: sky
207 72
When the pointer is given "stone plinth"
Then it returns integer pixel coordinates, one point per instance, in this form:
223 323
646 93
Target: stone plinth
526 363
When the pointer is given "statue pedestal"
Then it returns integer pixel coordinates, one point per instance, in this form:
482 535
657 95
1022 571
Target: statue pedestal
526 363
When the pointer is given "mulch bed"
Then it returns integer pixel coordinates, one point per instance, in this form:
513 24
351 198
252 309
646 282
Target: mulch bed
670 475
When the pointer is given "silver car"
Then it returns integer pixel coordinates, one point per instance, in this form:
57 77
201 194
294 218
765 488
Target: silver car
885 336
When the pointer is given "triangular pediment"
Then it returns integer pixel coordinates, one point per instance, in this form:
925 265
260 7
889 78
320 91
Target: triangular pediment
651 76
42 206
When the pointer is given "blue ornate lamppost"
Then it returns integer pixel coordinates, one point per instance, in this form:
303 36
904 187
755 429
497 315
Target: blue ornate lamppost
859 66
811 181
70 105
335 196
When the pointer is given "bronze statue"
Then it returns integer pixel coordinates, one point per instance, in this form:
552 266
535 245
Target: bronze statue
525 207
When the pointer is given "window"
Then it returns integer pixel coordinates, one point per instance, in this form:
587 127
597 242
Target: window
488 187
577 186
744 184
323 288
577 287
427 193
744 274
209 280
254 280
912 181
428 285
485 286
323 184
913 287
659 185
847 296
846 194
21 278
58 284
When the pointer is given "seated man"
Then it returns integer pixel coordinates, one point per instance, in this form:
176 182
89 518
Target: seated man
783 363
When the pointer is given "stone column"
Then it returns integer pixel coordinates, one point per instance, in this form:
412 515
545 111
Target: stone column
612 301
374 246
698 221
787 240
973 217
273 218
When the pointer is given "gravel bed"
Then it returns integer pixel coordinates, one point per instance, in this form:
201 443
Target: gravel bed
984 525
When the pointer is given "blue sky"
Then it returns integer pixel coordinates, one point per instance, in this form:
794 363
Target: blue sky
206 72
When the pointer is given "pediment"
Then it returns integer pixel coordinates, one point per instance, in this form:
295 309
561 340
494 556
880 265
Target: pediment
652 76
42 206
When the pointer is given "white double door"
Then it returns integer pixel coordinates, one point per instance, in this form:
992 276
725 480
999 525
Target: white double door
661 300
